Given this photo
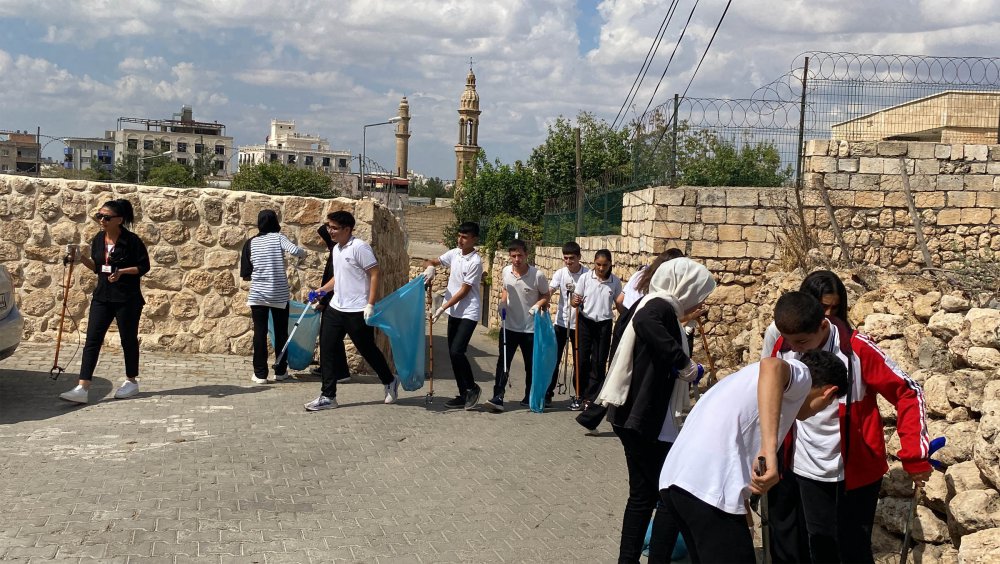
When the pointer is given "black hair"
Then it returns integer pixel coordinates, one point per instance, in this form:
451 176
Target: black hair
267 222
123 209
342 218
647 273
826 369
823 282
571 248
798 312
606 254
517 245
469 228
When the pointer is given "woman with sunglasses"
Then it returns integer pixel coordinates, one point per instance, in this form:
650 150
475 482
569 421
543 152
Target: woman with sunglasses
119 258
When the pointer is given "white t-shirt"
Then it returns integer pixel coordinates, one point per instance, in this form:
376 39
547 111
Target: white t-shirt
522 293
465 269
562 277
817 439
351 284
714 453
598 296
771 335
631 291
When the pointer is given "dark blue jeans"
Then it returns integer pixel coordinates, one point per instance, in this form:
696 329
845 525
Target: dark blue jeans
508 346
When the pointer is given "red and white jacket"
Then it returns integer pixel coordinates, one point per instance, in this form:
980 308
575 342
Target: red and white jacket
862 441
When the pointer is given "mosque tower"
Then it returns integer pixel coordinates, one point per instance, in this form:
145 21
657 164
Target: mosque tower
402 139
468 132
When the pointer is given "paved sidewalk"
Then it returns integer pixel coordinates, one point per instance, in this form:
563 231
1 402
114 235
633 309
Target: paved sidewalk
204 466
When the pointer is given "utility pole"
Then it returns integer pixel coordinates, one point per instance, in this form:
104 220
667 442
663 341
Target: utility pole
38 154
579 183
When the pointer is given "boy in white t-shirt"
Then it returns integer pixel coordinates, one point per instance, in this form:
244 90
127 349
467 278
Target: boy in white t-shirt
711 469
462 304
563 284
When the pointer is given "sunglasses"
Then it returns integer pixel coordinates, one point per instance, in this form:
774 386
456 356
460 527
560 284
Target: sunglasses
102 217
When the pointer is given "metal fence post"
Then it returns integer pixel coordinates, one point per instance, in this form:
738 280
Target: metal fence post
673 143
801 159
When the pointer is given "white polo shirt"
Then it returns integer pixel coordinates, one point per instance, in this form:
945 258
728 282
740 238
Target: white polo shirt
351 284
465 269
598 296
522 293
562 277
714 453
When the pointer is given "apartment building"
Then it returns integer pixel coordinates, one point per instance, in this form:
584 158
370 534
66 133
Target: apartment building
19 152
184 138
290 147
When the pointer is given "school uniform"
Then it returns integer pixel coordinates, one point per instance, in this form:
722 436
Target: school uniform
351 263
706 477
565 322
463 316
631 293
596 318
523 292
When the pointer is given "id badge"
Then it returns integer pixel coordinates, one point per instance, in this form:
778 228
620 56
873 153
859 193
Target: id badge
106 268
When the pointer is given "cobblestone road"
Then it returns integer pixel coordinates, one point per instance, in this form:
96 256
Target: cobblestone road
203 466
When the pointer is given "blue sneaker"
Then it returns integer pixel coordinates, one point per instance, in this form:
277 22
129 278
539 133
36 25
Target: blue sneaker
495 405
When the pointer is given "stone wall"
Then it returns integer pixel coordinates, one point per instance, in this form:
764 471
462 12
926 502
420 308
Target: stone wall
195 299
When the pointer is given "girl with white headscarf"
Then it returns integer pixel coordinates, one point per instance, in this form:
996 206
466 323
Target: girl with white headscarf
647 389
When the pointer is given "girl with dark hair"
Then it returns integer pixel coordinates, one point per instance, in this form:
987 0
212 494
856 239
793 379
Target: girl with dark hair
119 258
826 287
597 295
269 293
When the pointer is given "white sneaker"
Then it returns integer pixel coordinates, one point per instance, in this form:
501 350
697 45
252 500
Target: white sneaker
257 380
280 377
392 391
320 403
127 390
76 395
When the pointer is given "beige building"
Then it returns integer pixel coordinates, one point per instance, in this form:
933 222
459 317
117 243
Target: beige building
952 117
292 148
468 132
186 140
19 152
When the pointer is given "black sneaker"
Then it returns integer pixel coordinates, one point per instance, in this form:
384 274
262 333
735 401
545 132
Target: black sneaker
472 397
524 401
495 405
548 403
574 405
455 402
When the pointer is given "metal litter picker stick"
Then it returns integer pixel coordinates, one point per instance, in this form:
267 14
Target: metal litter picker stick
313 296
69 260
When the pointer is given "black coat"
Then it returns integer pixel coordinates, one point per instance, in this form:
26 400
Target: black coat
657 357
129 251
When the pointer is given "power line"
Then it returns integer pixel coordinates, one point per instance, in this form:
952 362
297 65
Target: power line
650 54
667 67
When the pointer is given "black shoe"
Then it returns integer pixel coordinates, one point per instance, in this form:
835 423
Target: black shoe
574 405
524 401
455 403
472 397
548 403
495 405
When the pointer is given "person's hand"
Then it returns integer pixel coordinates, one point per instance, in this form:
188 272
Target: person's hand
114 276
533 310
920 478
368 311
72 253
570 286
759 484
692 372
692 315
503 312
437 313
429 273
576 300
314 295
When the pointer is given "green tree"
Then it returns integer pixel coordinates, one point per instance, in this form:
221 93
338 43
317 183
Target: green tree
430 188
604 153
280 179
171 173
707 159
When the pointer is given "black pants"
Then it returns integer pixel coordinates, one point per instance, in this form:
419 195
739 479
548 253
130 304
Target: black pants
711 534
789 541
515 340
459 334
595 346
837 525
644 458
333 356
102 313
279 316
562 336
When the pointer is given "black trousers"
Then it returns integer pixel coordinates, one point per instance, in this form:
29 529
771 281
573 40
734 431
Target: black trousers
279 316
595 346
514 340
562 336
333 356
102 313
711 534
644 458
459 334
837 524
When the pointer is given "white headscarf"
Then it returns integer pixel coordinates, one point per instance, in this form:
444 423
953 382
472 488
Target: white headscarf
684 284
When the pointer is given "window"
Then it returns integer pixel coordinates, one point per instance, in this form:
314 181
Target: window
199 148
182 147
4 152
220 149
291 159
219 165
309 160
326 161
133 144
342 163
182 161
147 145
4 168
274 157
164 146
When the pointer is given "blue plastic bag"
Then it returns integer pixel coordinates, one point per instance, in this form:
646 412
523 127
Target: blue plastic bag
303 342
680 548
543 362
401 316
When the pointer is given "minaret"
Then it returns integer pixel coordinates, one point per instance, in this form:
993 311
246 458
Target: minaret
468 131
402 138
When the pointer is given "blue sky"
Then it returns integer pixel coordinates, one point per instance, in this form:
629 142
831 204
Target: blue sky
74 67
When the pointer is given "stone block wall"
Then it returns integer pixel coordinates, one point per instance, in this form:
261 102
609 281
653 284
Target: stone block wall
196 301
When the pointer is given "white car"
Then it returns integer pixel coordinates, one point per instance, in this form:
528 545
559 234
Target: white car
11 321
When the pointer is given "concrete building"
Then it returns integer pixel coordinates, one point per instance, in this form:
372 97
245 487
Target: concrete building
86 153
301 150
468 132
953 117
186 139
19 152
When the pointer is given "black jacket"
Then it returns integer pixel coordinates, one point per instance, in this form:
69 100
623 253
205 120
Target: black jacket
657 357
129 251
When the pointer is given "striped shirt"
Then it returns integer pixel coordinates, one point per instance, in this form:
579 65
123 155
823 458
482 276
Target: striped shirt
269 282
